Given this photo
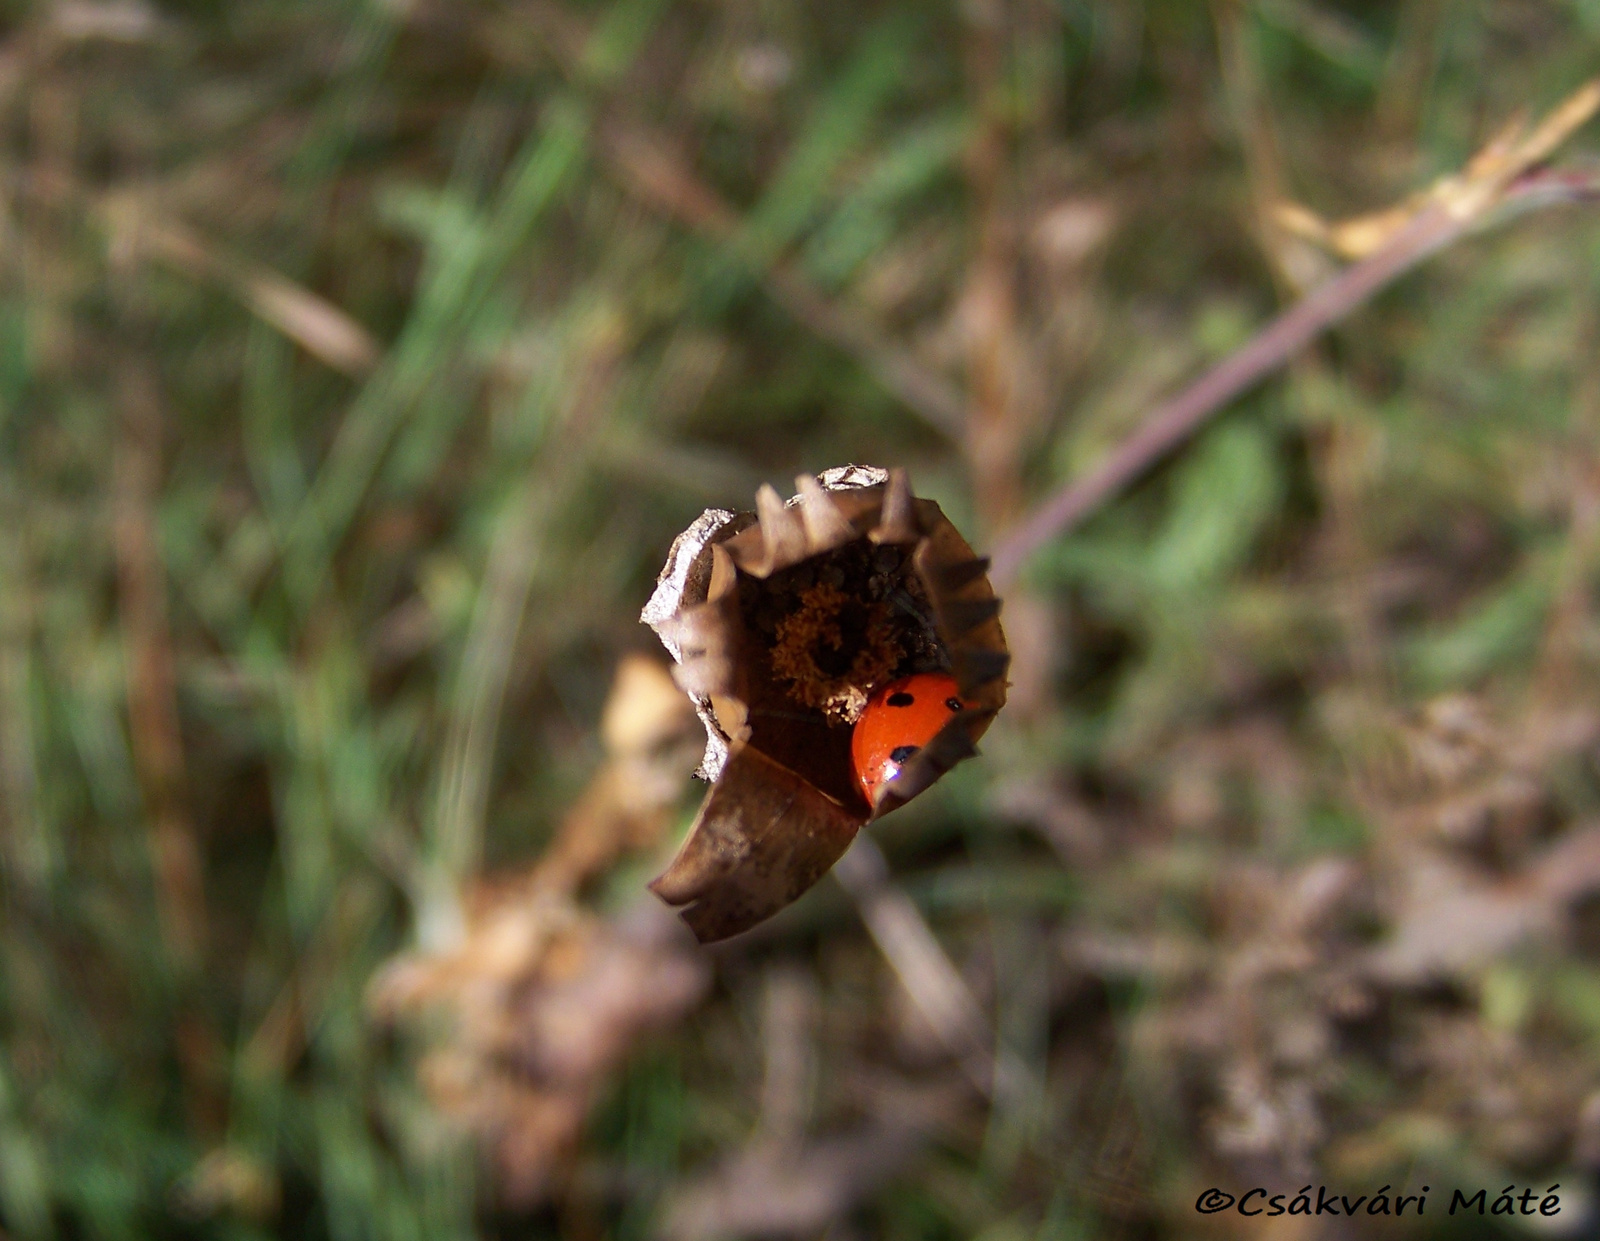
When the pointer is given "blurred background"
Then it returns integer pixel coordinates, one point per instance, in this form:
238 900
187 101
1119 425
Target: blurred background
360 360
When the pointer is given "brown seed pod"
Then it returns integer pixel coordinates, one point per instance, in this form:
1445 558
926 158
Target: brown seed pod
783 621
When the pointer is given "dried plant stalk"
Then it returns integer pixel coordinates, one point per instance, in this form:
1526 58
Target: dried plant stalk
783 621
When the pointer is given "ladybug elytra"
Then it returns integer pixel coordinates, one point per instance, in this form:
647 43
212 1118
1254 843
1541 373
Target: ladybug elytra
900 718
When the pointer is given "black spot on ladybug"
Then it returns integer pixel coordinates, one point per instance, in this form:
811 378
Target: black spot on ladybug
900 699
903 752
953 703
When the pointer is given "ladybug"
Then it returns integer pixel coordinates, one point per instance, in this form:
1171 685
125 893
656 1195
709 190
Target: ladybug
900 718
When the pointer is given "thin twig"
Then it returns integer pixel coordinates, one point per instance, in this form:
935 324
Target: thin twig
136 231
322 329
996 430
1175 420
154 733
928 975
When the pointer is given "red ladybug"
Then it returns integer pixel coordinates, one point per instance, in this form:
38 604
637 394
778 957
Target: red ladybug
900 718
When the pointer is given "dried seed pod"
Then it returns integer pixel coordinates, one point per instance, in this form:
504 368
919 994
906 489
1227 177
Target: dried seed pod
783 621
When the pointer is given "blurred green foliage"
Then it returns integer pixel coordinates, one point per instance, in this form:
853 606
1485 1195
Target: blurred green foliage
291 651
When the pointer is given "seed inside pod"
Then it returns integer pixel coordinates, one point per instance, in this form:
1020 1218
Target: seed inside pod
784 621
